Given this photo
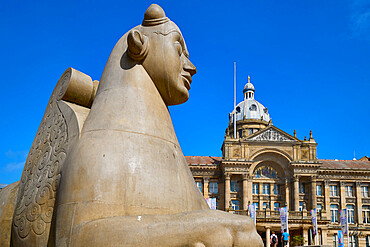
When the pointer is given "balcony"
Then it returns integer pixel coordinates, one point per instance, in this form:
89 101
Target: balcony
272 215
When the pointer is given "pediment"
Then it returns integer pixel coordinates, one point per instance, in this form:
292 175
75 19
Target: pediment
272 134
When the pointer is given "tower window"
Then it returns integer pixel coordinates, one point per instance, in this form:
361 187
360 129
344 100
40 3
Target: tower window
253 107
240 133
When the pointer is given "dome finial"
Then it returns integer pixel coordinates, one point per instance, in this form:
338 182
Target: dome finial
249 79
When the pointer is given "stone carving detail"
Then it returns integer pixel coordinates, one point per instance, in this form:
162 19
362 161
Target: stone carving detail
271 135
40 179
236 153
350 200
305 171
320 199
367 201
334 200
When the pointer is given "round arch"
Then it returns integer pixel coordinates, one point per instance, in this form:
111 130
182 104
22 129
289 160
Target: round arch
275 158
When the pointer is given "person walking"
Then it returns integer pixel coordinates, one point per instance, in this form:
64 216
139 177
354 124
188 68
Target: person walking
274 239
285 238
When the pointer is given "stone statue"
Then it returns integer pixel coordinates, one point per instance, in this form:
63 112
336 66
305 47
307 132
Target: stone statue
106 168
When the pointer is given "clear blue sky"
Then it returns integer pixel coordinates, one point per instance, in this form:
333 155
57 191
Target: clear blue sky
308 60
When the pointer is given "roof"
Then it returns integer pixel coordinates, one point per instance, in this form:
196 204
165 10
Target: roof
202 160
326 164
345 164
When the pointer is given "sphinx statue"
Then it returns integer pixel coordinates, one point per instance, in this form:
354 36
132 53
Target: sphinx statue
106 168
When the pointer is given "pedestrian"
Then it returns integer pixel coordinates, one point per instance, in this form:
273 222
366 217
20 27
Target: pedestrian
285 238
274 239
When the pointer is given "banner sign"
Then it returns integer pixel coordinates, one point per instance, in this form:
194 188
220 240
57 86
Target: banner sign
343 221
284 219
340 238
211 203
252 212
314 220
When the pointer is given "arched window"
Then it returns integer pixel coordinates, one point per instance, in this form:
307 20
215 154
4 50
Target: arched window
265 172
253 107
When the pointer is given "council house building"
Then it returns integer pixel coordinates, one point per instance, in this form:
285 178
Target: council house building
266 166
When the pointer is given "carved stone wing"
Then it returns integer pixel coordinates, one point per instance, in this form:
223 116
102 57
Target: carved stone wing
65 114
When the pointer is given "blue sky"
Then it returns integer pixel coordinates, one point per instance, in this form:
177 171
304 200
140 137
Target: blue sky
308 60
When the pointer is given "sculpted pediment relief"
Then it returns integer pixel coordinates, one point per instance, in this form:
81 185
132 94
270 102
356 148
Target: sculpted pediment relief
271 134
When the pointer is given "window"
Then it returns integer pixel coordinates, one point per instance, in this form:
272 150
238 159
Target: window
253 107
335 240
213 187
364 191
352 241
318 190
300 206
266 189
276 189
265 205
250 131
265 171
334 212
200 186
276 206
235 204
351 213
255 189
234 186
256 130
319 207
333 190
301 188
366 214
256 206
240 133
368 241
349 191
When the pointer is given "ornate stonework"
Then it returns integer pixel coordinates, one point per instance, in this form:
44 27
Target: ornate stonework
271 135
40 178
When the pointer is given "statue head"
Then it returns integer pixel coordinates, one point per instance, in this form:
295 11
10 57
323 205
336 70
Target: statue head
159 46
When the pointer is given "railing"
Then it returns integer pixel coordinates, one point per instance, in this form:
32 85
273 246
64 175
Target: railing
272 214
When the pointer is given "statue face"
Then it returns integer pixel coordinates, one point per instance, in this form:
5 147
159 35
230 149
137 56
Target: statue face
168 64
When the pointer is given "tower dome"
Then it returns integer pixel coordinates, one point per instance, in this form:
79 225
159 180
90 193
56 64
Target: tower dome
250 108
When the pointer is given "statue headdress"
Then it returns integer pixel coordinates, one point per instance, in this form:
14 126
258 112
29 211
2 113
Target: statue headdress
154 15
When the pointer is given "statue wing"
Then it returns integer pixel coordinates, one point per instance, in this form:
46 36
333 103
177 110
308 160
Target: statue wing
68 107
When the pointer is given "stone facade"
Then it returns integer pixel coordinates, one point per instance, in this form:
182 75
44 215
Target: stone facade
264 165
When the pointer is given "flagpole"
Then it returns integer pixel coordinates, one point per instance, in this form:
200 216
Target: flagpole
234 100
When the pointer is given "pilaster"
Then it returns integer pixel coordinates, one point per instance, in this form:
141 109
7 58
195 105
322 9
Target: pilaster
296 193
313 193
206 187
227 190
359 203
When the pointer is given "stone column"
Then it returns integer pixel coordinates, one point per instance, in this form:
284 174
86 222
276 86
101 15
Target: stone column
324 236
359 203
205 185
227 191
250 189
245 191
272 197
296 193
287 191
327 197
268 236
342 194
305 236
260 196
313 193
